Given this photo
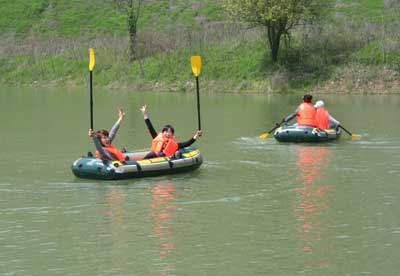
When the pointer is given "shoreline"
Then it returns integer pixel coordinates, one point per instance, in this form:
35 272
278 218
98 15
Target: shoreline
252 87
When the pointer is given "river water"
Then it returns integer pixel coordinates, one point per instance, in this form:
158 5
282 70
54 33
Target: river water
255 207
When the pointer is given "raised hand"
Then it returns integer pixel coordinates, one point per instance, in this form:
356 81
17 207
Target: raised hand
197 134
143 109
91 133
121 115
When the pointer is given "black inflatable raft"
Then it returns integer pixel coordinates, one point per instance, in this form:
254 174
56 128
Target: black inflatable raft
186 159
295 133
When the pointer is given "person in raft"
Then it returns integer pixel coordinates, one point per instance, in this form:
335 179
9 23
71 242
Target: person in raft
305 113
102 140
323 118
164 143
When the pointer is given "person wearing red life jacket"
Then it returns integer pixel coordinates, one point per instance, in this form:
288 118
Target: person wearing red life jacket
164 142
305 113
323 118
102 140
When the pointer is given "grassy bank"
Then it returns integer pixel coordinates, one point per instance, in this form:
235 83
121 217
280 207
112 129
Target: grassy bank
345 53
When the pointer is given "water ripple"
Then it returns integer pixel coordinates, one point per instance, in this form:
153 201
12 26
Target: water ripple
223 200
29 209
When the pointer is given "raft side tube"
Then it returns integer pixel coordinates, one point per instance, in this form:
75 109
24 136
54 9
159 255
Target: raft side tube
90 167
295 133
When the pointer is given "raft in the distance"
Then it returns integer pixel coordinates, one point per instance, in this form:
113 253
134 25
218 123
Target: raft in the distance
295 133
186 159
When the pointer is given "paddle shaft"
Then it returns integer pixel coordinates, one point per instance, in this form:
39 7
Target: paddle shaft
198 102
275 127
91 100
348 132
266 134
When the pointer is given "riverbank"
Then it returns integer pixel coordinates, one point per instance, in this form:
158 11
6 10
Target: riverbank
344 53
320 64
345 80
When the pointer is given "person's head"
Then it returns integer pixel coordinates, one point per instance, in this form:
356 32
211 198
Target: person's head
168 131
102 135
103 132
307 98
319 104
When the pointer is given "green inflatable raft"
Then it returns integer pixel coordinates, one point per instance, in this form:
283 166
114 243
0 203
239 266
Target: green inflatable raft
186 159
295 133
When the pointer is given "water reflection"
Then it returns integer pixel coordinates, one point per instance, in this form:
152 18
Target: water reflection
164 197
118 221
115 200
312 204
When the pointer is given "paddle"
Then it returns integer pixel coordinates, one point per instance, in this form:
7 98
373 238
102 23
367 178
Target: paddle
196 67
355 136
91 66
266 134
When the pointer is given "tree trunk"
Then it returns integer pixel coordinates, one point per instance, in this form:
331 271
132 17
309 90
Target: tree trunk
132 37
275 31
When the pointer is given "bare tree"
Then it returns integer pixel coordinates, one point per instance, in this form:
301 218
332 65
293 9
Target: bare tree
132 10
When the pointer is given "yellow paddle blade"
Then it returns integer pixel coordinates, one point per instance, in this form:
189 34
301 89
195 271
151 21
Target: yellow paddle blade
196 65
264 135
355 136
91 59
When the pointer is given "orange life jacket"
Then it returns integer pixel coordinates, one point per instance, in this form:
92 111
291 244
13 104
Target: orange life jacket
322 118
306 115
113 151
162 144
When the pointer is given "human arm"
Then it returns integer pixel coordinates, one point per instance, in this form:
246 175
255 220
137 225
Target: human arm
97 144
333 121
146 118
191 140
290 116
115 128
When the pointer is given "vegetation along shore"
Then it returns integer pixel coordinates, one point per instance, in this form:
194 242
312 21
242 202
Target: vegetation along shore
322 46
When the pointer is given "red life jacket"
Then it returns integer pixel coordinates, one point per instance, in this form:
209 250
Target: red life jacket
113 151
163 144
322 118
306 115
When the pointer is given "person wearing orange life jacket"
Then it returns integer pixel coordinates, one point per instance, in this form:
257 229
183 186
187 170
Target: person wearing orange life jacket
164 143
323 118
305 113
102 140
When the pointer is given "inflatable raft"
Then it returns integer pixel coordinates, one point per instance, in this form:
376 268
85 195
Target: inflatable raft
186 159
295 133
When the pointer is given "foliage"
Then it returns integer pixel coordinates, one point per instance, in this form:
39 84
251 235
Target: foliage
45 43
261 12
278 16
377 52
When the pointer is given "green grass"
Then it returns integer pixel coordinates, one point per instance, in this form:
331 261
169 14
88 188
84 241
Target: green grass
73 18
375 53
235 61
372 11
365 34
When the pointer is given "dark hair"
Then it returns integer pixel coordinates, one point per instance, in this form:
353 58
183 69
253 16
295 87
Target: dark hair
307 98
101 133
166 127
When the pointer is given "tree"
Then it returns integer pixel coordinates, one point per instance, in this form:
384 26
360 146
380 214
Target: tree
279 17
132 10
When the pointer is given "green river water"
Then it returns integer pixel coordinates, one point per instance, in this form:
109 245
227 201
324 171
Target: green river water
255 207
